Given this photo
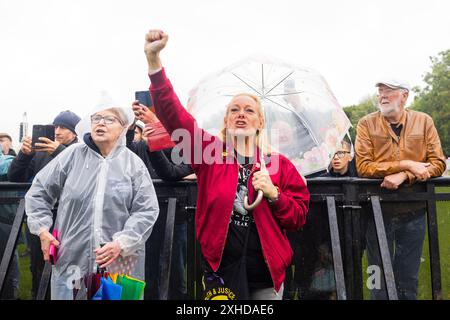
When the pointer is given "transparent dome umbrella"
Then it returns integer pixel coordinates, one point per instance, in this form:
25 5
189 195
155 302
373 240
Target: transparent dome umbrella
304 121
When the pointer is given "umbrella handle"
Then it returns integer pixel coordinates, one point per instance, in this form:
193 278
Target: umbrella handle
254 204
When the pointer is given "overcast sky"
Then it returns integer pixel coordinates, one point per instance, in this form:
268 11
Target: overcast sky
58 55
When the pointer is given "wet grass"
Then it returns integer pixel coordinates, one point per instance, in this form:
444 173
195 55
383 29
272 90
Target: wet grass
25 274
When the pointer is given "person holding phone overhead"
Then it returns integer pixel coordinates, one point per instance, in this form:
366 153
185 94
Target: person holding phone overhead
42 131
29 162
241 167
160 163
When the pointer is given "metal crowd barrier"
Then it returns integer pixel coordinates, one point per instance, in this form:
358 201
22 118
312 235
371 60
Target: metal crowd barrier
346 200
352 194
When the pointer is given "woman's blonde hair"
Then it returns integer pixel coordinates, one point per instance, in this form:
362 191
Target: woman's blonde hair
261 137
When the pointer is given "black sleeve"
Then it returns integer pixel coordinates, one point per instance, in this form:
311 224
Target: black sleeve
58 150
141 150
352 168
21 168
130 144
12 153
167 170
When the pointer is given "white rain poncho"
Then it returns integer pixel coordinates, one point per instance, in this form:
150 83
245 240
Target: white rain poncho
100 200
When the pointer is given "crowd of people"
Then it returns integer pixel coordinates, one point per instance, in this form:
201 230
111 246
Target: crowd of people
253 216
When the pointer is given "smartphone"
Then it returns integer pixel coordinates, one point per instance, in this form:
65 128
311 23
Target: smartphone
47 131
145 99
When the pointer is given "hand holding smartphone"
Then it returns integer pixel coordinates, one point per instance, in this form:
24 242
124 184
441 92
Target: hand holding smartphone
144 98
47 131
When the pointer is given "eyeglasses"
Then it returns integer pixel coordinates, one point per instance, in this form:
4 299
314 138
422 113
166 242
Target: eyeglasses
387 91
341 154
106 119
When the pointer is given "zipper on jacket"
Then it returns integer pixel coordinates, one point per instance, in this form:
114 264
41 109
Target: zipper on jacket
228 227
98 205
91 263
99 201
262 248
266 262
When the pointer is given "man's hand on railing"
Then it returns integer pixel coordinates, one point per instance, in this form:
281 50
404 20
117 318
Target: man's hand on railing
393 181
419 169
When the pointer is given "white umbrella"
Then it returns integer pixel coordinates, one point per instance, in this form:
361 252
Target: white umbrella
304 121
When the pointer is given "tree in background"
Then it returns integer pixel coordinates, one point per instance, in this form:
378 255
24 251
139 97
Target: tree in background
434 99
357 111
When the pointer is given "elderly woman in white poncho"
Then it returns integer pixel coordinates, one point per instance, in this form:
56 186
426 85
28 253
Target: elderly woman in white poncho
107 202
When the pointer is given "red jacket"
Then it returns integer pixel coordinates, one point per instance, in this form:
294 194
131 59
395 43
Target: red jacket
217 183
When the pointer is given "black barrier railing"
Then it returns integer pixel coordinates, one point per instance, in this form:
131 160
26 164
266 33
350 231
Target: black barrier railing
352 195
384 248
176 195
348 201
336 249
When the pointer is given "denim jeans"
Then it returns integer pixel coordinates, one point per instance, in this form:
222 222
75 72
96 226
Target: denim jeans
405 234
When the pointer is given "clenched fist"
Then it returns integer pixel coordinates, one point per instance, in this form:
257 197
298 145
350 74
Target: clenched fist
155 41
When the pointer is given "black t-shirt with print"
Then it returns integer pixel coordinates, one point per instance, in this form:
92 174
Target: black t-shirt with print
257 271
397 129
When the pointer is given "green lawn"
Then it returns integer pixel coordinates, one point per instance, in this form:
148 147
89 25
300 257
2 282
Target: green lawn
443 211
25 274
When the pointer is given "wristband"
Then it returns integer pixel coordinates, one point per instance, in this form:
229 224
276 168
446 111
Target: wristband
271 201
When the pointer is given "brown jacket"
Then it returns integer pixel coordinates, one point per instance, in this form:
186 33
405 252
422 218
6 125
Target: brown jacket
379 151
